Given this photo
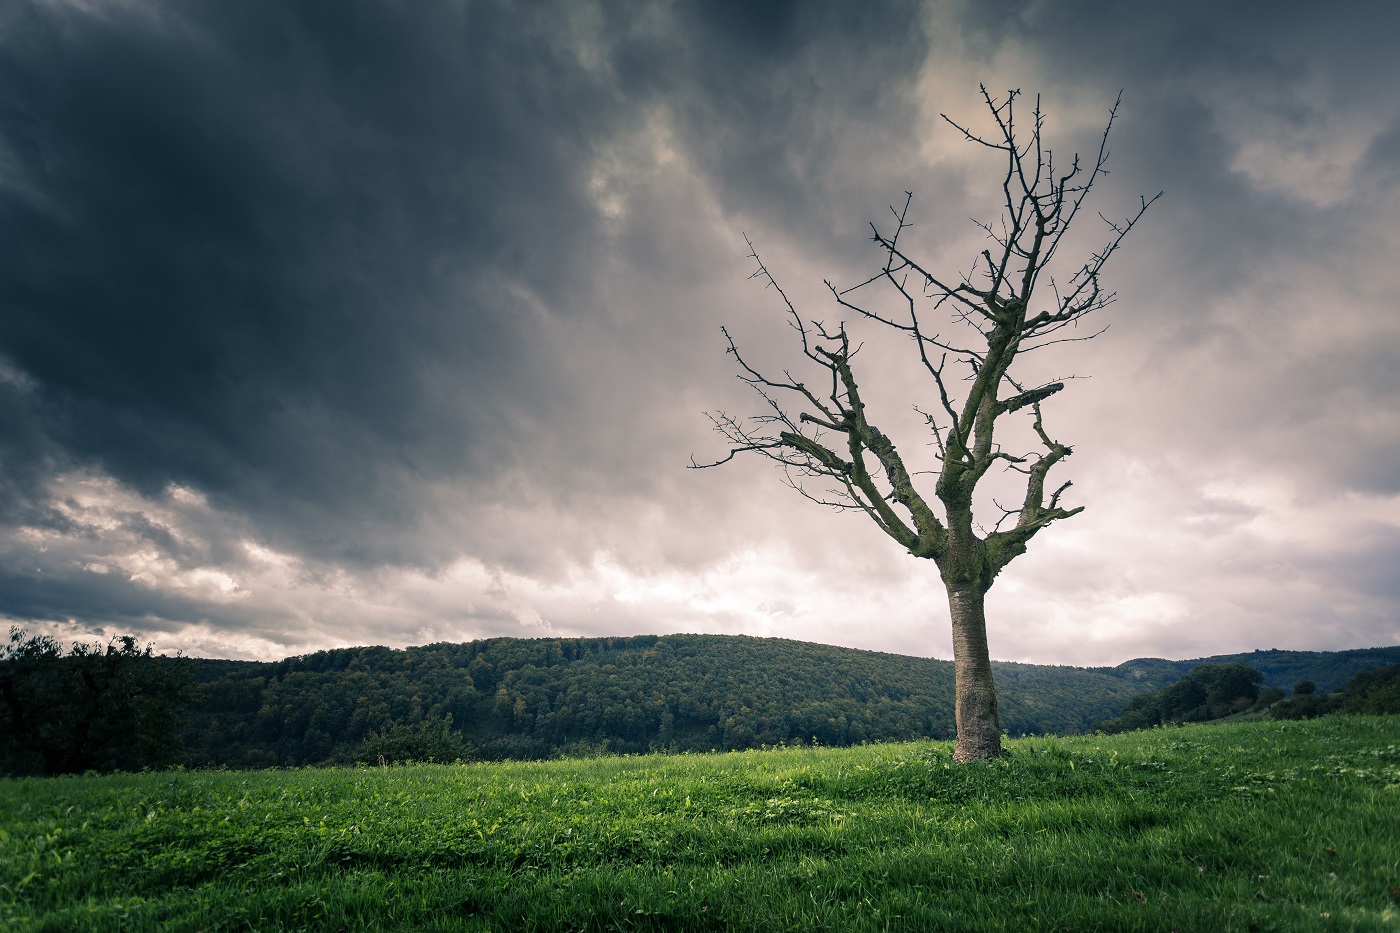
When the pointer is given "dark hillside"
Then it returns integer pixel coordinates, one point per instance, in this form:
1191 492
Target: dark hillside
530 698
526 698
1329 670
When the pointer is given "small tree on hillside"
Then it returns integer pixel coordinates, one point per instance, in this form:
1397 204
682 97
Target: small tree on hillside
95 706
821 431
431 739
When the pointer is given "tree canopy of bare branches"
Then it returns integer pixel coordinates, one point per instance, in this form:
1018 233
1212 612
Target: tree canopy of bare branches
816 425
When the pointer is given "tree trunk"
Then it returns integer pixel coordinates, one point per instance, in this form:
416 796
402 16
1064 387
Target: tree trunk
979 727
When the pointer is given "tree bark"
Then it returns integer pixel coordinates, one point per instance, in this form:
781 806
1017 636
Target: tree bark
996 300
979 726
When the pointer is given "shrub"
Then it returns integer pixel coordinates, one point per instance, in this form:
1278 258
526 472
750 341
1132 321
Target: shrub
1374 692
1209 691
93 707
428 740
1306 705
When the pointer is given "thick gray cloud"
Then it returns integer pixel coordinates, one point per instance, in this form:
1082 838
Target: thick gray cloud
347 323
253 236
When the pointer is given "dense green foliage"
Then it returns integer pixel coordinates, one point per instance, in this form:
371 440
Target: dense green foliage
1210 691
94 706
1375 692
118 707
1306 706
1249 826
1216 691
320 707
1329 670
1369 692
539 698
517 698
427 741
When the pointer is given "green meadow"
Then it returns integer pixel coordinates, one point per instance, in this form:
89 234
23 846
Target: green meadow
1239 826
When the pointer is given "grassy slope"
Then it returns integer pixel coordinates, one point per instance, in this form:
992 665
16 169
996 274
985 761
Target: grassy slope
1290 826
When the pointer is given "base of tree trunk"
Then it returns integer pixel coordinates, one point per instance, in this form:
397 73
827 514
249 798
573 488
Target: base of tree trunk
979 726
980 747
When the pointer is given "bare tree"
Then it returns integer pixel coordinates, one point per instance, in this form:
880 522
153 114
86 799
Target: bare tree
822 432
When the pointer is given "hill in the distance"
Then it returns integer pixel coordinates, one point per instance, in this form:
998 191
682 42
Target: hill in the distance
1329 670
532 698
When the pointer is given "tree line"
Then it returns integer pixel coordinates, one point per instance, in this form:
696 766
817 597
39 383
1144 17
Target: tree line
90 707
1216 691
118 706
536 698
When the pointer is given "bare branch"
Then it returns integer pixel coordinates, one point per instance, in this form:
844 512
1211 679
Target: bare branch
826 433
824 438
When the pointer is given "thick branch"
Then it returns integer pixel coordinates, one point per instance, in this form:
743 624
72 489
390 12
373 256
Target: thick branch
827 433
1035 513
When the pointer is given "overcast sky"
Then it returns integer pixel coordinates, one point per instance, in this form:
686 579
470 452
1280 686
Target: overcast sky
329 324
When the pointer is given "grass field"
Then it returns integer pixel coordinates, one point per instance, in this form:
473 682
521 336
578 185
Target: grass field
1249 826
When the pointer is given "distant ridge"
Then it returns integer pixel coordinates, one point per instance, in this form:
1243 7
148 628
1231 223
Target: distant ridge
534 698
1329 670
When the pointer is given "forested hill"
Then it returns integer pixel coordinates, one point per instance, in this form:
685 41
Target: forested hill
527 698
1329 670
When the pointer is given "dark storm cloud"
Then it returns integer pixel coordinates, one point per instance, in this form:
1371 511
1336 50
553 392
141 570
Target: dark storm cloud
1266 124
1178 63
808 133
263 249
320 321
248 235
26 454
